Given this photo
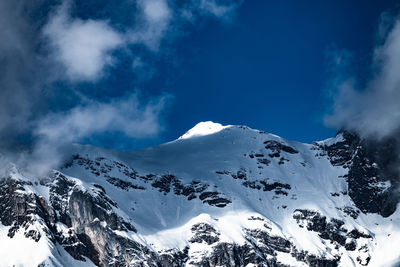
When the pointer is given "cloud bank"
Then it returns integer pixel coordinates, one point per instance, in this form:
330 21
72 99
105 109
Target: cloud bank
56 48
371 106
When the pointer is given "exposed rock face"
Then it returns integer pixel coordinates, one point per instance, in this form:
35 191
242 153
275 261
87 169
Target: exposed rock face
373 176
91 224
332 230
204 232
84 224
20 209
193 190
260 250
279 188
277 147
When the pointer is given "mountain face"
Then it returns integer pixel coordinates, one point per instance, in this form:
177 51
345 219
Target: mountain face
217 196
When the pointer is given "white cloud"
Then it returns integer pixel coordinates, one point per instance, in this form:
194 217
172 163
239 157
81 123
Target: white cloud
154 20
216 9
155 10
374 110
221 10
84 47
120 115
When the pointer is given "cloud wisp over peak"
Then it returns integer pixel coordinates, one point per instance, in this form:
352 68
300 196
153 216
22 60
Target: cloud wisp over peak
370 106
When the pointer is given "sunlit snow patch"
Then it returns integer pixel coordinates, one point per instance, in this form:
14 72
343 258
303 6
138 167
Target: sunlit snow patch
204 128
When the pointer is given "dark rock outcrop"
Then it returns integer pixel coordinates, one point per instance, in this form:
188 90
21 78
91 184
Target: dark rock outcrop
373 175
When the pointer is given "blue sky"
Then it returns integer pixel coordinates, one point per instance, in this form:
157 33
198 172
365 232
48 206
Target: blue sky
132 74
268 68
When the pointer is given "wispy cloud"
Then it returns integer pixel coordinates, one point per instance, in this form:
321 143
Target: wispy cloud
83 47
125 115
20 70
216 9
52 50
130 116
371 106
154 18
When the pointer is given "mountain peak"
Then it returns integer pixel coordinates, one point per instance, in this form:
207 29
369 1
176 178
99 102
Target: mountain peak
204 128
238 193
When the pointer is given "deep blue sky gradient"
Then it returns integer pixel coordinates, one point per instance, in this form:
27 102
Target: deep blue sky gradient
267 68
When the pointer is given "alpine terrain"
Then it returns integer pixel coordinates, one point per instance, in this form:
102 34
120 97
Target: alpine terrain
216 196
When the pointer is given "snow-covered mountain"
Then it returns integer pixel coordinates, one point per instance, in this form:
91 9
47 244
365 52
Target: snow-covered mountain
216 196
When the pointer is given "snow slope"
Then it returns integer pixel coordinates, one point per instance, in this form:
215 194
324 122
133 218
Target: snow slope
215 185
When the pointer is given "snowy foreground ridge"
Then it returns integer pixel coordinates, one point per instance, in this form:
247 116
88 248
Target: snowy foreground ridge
216 196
